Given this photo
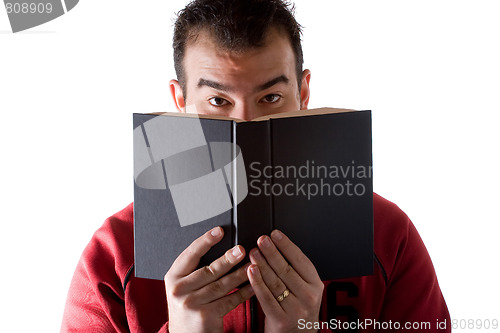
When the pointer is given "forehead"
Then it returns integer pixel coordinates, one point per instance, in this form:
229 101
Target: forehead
203 56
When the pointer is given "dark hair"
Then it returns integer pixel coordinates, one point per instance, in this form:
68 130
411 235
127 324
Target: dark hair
236 25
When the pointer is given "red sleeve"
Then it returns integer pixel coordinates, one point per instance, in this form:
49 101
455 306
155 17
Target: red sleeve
96 298
413 295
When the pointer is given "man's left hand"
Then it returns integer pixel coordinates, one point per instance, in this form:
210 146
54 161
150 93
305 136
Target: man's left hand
285 282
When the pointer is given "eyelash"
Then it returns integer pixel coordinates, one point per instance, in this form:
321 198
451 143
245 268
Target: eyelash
273 95
225 101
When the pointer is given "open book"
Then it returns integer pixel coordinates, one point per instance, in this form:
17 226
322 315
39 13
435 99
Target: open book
307 173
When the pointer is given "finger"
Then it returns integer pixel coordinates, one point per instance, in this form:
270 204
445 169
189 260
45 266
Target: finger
189 259
299 261
267 301
231 301
272 281
207 274
221 287
283 270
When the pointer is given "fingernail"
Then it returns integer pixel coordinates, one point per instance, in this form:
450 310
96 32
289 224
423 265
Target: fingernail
236 251
276 234
266 242
215 232
254 270
256 254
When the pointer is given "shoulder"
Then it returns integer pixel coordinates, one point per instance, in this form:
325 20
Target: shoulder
397 243
96 293
387 214
112 245
391 225
413 292
395 237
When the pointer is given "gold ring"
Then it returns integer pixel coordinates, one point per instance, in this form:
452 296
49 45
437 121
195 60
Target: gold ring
283 295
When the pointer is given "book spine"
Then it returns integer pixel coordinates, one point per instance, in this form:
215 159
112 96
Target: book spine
272 217
234 180
253 214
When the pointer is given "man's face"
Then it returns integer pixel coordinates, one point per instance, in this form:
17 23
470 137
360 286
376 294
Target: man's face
244 85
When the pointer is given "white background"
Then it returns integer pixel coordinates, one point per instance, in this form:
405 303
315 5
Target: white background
429 70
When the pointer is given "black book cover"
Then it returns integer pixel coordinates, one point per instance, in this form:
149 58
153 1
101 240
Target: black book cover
307 173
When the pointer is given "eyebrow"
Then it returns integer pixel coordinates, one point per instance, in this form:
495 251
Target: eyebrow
222 87
213 84
272 82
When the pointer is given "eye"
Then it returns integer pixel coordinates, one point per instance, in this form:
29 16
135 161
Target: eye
218 101
271 98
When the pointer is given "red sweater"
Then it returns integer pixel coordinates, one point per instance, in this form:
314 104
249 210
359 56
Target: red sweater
105 296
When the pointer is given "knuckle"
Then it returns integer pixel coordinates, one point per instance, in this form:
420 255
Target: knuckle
233 302
302 313
242 296
321 287
227 260
210 271
237 298
197 247
226 307
240 274
276 285
285 270
310 299
217 287
207 239
282 325
174 289
189 302
238 277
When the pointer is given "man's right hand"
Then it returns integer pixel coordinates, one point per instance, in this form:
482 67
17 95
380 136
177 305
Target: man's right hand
198 299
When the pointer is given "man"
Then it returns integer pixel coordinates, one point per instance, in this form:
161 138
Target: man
243 58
